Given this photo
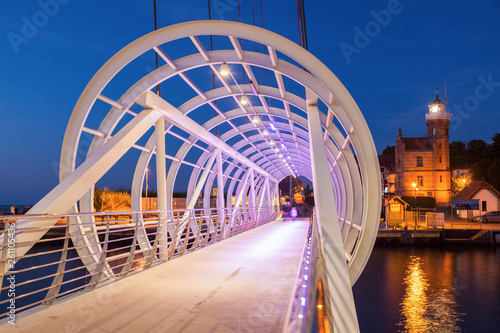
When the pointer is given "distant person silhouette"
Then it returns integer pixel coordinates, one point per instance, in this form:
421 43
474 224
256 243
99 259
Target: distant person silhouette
13 210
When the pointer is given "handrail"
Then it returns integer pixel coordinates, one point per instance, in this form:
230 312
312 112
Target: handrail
53 269
309 308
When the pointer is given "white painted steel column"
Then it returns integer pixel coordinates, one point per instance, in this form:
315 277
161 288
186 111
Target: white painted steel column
161 186
268 193
220 189
339 284
251 199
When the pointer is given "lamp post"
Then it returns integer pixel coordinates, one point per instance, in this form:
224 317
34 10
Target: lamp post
414 185
147 188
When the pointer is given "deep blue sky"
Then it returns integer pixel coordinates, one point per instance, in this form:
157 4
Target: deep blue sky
392 76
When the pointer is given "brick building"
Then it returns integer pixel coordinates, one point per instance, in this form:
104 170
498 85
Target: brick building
423 164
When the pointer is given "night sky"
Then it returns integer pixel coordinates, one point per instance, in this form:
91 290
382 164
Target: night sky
390 55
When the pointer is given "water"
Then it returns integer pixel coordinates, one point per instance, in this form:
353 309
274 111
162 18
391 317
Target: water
430 290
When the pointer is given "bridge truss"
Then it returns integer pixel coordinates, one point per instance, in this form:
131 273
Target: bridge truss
275 111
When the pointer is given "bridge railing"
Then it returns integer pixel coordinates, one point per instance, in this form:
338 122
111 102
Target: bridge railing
104 247
309 308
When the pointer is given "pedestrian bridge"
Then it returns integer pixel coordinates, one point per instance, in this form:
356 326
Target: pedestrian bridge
229 112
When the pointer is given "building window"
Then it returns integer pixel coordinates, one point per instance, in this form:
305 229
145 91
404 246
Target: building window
420 161
429 194
434 131
440 179
439 146
483 206
439 159
420 180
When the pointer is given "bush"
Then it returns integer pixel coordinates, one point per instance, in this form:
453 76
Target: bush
106 200
424 202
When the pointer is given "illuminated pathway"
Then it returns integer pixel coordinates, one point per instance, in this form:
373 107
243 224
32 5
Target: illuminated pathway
241 284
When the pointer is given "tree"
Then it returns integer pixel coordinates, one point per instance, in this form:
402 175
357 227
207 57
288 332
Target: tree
458 154
389 150
477 150
494 173
106 200
458 184
479 170
495 146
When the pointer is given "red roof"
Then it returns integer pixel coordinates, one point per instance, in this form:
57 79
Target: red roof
418 144
470 190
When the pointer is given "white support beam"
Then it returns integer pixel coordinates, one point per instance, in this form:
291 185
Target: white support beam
165 57
195 195
281 85
110 102
161 186
237 203
94 132
201 181
174 116
192 85
287 109
252 78
251 200
268 193
339 284
237 47
220 188
200 47
221 78
272 55
76 184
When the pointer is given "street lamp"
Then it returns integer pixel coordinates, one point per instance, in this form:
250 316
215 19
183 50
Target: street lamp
414 185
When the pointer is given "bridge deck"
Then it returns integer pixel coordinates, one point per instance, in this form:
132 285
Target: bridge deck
241 284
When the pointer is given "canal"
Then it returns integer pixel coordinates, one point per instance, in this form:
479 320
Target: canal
404 289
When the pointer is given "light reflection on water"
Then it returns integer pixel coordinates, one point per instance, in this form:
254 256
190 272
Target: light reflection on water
415 303
453 289
426 310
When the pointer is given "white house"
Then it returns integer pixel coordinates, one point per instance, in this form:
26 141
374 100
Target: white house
488 197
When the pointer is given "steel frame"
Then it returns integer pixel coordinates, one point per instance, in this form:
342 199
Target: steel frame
340 159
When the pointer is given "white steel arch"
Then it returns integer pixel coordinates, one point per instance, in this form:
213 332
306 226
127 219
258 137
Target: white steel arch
305 114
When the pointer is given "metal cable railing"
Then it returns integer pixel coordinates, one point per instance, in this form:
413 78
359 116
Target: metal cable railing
309 308
119 244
